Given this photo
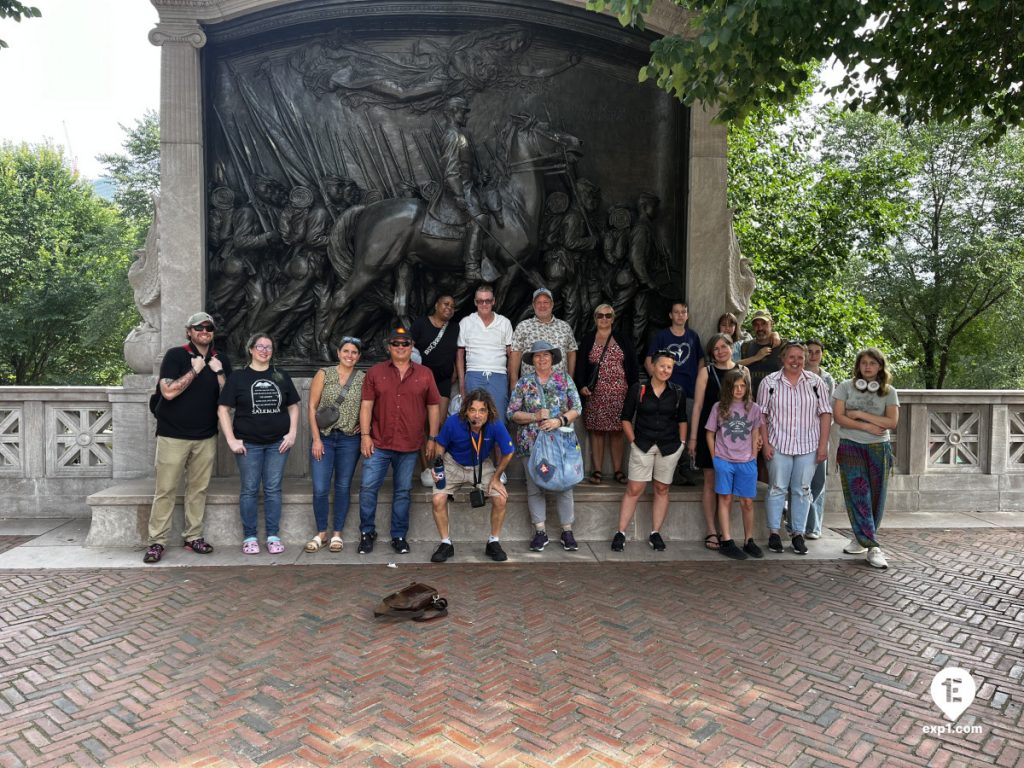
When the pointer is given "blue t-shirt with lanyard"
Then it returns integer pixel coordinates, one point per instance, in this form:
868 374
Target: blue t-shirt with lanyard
456 439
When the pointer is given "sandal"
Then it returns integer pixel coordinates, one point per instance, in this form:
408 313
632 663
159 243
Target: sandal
315 544
251 547
712 541
274 545
620 477
596 478
336 544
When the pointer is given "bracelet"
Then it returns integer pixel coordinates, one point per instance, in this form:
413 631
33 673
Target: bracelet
365 434
565 421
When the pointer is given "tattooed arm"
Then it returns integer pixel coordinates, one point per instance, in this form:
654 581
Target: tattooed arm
171 388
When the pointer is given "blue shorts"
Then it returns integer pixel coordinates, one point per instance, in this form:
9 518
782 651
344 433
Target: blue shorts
736 478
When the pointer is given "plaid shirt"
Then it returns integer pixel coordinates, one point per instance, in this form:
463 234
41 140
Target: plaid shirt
792 412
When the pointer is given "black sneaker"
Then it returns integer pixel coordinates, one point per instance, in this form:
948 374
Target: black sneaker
752 549
400 545
494 551
366 542
540 540
618 542
657 543
798 545
442 553
775 543
569 542
729 549
154 553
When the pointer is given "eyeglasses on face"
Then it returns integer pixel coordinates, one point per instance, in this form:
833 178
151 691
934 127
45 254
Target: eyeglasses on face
205 328
263 347
604 315
400 343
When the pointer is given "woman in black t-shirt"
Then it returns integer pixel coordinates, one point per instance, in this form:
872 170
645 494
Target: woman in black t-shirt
654 422
266 419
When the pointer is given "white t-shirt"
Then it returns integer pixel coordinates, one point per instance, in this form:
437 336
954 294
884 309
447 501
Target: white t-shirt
486 345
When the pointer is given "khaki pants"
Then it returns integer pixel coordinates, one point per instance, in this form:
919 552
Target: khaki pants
174 457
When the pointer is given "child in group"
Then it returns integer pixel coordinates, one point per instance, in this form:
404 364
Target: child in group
733 435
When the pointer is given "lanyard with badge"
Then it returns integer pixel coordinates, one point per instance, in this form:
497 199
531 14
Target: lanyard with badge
476 496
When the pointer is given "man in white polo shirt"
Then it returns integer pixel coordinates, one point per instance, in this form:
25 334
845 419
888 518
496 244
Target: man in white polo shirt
485 339
543 326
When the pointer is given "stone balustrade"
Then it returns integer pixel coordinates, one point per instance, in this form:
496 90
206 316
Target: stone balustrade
956 450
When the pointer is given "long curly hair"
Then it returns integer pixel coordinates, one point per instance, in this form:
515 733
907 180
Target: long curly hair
483 396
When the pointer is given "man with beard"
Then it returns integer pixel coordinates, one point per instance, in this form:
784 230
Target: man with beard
763 353
467 440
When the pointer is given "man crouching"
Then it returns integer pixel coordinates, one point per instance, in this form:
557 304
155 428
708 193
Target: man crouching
465 442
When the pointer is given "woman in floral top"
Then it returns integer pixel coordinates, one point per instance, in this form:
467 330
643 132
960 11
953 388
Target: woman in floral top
546 400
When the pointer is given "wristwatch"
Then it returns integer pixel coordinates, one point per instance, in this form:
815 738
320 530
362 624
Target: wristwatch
431 438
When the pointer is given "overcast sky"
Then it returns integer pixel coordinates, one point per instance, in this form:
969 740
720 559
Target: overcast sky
77 72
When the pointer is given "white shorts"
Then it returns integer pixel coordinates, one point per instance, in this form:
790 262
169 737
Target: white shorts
644 466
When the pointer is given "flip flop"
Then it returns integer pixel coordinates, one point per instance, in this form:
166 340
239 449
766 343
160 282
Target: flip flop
712 541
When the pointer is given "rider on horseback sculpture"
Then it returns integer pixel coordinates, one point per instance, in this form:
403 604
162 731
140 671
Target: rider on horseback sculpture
462 181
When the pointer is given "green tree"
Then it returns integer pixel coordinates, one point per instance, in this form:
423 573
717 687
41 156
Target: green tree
921 60
13 9
65 304
956 271
136 172
811 223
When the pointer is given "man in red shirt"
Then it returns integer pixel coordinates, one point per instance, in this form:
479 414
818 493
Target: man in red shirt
398 395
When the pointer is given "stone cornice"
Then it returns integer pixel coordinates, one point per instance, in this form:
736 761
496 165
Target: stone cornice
665 17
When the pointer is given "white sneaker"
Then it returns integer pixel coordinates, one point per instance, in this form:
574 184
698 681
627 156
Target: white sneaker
812 536
876 558
427 478
853 547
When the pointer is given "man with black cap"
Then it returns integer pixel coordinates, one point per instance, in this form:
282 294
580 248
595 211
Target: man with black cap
398 396
191 377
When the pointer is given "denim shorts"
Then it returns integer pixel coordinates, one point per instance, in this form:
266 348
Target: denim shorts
736 478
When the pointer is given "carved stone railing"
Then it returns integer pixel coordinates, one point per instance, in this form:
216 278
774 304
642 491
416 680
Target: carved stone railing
956 450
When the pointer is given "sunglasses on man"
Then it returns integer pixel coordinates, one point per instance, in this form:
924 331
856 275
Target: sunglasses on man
205 328
400 343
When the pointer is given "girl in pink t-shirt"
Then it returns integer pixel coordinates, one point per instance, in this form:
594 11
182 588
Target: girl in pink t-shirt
733 434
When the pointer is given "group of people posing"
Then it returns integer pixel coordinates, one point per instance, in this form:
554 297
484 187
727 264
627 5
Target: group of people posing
751 398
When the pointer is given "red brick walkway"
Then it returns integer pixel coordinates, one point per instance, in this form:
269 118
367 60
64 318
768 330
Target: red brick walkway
796 663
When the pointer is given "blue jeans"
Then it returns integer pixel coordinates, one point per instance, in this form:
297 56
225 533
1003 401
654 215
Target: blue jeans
792 473
495 383
816 514
262 464
375 469
341 452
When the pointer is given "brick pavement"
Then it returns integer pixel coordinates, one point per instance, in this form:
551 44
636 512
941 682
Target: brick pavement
712 663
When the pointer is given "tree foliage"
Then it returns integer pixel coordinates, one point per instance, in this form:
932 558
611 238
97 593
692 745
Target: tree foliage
811 224
13 9
920 60
65 304
136 172
955 272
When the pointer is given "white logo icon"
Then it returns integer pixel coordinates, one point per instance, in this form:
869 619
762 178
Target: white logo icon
953 690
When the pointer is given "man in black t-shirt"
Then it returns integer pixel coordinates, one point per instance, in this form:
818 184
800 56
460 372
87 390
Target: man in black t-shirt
762 354
191 377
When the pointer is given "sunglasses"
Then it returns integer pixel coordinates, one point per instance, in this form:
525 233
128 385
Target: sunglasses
400 343
485 301
604 315
350 340
204 328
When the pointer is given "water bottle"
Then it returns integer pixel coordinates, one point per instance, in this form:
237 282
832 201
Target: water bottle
439 471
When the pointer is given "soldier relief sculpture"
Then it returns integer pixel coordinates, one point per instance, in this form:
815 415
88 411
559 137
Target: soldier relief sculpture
347 191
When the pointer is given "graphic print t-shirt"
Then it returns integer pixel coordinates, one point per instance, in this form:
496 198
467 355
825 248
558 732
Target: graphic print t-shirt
734 437
260 400
687 353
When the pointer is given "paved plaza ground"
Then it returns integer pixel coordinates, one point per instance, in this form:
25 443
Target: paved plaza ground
788 661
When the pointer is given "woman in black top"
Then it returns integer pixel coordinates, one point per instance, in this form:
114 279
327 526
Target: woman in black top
266 419
654 421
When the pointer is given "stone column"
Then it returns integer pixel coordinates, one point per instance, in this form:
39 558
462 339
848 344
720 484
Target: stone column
717 279
182 220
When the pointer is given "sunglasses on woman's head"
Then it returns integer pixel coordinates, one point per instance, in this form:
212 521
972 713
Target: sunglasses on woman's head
350 340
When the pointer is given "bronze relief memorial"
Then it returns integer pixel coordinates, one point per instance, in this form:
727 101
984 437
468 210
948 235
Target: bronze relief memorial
357 166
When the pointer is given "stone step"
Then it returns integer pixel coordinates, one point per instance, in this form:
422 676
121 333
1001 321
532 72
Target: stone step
120 514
